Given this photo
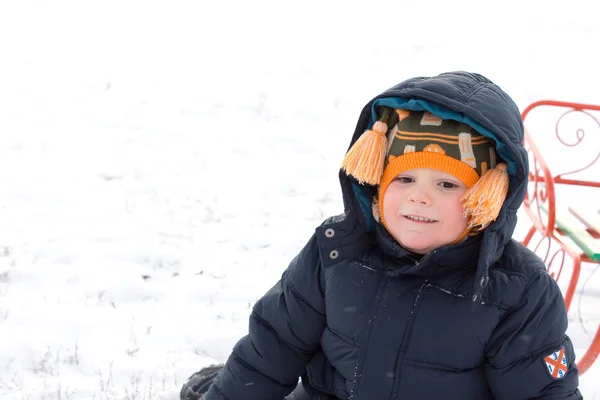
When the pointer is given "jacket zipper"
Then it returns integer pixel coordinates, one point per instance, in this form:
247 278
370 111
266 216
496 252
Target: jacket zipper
406 340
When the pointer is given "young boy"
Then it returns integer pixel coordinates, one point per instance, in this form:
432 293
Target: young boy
417 291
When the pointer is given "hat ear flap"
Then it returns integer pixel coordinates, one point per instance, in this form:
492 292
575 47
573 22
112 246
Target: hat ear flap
375 208
483 201
365 159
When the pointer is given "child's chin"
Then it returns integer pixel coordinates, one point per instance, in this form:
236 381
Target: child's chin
418 245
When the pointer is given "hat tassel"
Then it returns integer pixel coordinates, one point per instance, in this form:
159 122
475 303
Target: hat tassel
484 200
365 159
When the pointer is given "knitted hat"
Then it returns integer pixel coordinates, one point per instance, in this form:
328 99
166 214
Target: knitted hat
419 139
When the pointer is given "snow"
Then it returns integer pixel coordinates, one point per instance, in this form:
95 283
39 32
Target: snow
162 162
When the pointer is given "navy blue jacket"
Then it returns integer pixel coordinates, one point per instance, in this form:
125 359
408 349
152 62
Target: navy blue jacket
359 317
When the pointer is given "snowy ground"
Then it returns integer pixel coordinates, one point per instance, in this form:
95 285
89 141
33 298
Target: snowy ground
161 163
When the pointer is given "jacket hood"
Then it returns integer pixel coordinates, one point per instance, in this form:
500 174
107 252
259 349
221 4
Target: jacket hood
472 99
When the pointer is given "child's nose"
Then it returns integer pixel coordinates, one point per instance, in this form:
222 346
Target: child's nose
419 195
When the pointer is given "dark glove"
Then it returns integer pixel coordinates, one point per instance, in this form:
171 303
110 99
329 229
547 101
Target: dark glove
199 382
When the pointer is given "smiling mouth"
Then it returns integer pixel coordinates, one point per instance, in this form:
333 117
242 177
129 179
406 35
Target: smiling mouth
416 218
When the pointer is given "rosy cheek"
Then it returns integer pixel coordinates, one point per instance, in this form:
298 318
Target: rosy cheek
387 211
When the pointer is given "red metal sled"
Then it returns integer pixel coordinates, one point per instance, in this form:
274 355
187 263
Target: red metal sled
566 226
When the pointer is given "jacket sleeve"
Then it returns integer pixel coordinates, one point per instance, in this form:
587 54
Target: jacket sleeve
521 352
285 329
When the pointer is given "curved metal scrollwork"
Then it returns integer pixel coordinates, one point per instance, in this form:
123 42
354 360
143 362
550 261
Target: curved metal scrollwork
579 138
553 256
539 199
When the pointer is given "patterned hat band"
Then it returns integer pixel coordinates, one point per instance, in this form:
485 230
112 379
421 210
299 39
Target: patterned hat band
424 133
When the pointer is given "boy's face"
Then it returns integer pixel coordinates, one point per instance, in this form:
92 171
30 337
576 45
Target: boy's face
422 209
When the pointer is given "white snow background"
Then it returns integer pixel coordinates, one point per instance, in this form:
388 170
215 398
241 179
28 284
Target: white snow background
161 162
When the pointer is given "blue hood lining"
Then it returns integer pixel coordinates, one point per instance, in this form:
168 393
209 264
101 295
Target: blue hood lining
365 201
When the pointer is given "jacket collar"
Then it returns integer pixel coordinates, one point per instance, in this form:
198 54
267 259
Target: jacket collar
400 261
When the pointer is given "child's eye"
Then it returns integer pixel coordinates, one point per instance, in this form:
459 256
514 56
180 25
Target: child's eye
403 179
448 185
